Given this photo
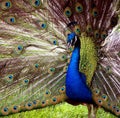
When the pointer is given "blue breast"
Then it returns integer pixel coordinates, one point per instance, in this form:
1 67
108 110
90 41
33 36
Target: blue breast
76 88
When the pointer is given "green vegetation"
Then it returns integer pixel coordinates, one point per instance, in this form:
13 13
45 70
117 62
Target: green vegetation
62 110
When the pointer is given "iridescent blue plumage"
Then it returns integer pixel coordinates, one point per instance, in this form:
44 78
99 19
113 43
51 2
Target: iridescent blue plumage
76 88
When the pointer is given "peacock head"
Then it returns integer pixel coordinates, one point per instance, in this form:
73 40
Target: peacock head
72 39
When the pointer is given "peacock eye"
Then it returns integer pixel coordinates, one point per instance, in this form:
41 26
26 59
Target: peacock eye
71 49
63 57
36 3
51 70
20 47
94 12
15 107
104 97
55 42
26 81
96 34
67 12
6 5
47 93
34 102
5 109
43 25
29 104
89 28
10 20
77 30
100 101
78 7
43 102
36 65
103 35
10 77
96 91
114 107
62 89
54 99
117 110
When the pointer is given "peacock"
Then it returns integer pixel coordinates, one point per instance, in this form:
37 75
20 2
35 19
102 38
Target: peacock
54 51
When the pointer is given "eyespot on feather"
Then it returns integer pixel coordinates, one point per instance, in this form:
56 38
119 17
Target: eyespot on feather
89 28
6 4
70 49
96 92
62 89
26 81
97 34
104 97
103 35
51 70
36 103
9 78
77 30
47 93
18 49
108 69
42 24
36 65
94 12
67 12
44 103
10 20
99 102
5 111
36 3
55 100
108 104
55 42
117 111
29 106
63 57
15 109
78 7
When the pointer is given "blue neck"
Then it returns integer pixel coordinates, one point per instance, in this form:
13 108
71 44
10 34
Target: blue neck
76 88
74 62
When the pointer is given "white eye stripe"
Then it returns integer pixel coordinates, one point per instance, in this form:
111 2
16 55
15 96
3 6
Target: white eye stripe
75 40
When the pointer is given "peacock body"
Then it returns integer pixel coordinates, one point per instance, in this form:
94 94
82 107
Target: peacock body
53 51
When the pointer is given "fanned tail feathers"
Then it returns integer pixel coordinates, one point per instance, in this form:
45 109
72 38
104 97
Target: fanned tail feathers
34 55
106 80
